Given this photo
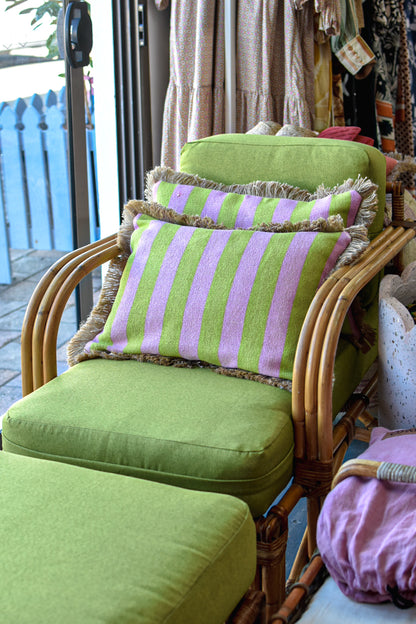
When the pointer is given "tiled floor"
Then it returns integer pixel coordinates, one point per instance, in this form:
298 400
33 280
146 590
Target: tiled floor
28 266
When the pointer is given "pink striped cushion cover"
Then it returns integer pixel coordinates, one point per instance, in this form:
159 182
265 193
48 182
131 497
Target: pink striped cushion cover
243 206
230 298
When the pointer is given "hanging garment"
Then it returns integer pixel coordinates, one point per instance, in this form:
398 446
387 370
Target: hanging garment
323 85
360 93
338 112
329 12
349 47
410 15
403 119
274 63
194 105
386 44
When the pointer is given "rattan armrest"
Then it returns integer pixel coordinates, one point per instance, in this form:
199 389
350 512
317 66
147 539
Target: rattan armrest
385 248
312 407
45 308
313 367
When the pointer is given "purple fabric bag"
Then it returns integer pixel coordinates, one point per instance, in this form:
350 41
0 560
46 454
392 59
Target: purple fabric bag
367 528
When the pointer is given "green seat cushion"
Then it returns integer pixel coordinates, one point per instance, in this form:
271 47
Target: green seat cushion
187 427
83 546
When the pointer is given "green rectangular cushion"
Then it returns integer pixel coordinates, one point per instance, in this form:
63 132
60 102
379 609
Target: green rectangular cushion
304 162
188 427
81 546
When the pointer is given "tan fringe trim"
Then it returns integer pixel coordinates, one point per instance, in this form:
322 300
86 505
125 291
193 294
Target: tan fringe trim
365 187
333 224
99 314
156 211
164 360
406 164
259 188
358 233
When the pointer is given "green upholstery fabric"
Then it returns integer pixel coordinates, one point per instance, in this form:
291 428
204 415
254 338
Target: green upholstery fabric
243 158
83 547
186 427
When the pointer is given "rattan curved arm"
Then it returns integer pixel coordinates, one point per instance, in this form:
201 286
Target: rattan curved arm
307 361
32 311
314 369
383 471
43 313
386 252
306 364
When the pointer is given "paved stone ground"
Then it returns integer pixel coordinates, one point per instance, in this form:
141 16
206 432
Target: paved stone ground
28 266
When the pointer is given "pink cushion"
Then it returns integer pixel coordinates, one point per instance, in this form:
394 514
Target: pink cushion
390 164
367 528
345 133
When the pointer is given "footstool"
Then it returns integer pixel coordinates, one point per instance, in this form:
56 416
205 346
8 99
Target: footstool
81 546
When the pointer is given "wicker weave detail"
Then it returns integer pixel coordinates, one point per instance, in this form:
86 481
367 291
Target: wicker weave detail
314 476
271 553
388 471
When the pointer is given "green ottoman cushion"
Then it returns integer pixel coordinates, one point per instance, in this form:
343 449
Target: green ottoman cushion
83 546
187 427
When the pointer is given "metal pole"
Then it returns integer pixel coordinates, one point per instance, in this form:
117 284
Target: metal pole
230 73
77 151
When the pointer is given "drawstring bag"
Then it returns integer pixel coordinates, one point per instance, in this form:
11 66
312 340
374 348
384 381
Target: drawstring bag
366 531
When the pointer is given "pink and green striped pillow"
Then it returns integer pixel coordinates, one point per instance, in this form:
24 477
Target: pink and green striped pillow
243 206
234 299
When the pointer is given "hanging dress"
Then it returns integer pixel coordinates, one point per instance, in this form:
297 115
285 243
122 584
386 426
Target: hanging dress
194 104
274 63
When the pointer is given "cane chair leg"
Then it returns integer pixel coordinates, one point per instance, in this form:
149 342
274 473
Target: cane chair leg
272 534
300 560
251 610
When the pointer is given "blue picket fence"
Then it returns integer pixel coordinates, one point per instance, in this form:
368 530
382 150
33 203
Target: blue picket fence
35 209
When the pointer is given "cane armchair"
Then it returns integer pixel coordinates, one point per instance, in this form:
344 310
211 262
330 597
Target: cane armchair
294 429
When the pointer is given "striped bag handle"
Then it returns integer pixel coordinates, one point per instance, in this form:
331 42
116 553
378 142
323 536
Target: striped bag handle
383 471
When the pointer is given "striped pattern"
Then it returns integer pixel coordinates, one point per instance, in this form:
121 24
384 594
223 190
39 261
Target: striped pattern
232 298
235 210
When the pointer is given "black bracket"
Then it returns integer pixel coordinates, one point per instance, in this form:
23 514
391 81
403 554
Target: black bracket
78 34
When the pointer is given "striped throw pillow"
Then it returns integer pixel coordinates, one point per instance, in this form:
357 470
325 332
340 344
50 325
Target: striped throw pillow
229 298
243 206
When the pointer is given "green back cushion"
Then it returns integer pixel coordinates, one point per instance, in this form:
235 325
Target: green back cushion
231 298
299 161
246 205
